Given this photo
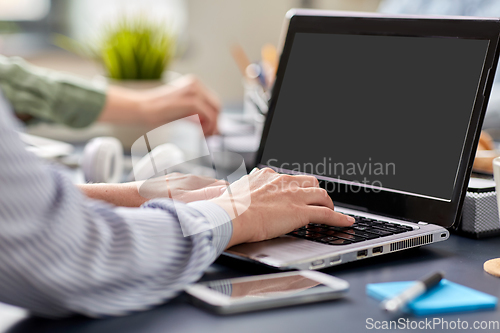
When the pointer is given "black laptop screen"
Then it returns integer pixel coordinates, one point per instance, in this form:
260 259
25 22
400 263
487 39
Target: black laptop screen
385 111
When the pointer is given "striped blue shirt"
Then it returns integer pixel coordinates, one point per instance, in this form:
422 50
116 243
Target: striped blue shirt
62 253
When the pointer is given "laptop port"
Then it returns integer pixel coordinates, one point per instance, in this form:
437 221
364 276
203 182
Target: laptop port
362 253
318 263
335 260
377 250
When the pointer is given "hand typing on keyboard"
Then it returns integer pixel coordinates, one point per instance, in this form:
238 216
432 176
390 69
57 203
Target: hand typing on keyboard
279 204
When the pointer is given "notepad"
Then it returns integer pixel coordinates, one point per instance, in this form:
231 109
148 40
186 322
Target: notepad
445 297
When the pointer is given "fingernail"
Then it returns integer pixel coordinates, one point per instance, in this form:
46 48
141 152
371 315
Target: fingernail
350 219
254 170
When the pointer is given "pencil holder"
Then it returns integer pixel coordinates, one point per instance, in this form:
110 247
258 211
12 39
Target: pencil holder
480 217
255 104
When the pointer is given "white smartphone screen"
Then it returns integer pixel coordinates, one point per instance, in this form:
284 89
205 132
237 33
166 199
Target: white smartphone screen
266 291
296 285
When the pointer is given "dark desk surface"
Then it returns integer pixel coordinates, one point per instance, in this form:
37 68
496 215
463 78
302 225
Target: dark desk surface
461 258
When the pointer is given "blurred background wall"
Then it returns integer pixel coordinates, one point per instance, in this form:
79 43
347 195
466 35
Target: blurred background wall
215 24
206 30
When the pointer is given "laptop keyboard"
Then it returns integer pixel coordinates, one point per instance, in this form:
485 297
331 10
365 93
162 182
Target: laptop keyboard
363 229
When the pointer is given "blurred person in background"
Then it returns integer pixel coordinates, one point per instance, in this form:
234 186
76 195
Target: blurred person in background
38 94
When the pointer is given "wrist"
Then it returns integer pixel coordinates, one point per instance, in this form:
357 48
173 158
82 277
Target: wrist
142 105
240 234
123 106
132 197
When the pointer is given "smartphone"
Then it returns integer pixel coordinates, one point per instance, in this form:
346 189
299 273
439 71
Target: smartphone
266 291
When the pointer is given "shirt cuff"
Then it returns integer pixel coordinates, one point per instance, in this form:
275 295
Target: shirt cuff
79 103
219 218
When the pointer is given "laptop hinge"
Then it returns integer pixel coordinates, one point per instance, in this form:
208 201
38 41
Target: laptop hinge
340 204
365 210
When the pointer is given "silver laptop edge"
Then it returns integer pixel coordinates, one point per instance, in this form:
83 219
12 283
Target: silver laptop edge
288 252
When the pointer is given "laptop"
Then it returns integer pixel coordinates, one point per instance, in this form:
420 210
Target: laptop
386 112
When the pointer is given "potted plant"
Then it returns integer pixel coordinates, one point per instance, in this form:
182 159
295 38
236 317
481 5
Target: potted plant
135 52
135 49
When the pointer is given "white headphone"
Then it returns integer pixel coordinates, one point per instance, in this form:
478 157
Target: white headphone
102 160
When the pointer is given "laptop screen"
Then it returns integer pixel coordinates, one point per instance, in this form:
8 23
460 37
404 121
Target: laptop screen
385 112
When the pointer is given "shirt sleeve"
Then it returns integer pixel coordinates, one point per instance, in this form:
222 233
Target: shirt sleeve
50 96
62 253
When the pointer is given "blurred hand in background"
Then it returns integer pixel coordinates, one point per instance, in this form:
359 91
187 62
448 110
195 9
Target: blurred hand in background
183 97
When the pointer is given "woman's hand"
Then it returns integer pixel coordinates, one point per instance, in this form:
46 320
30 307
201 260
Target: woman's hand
181 98
271 204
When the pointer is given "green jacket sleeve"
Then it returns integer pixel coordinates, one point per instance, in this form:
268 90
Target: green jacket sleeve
48 95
